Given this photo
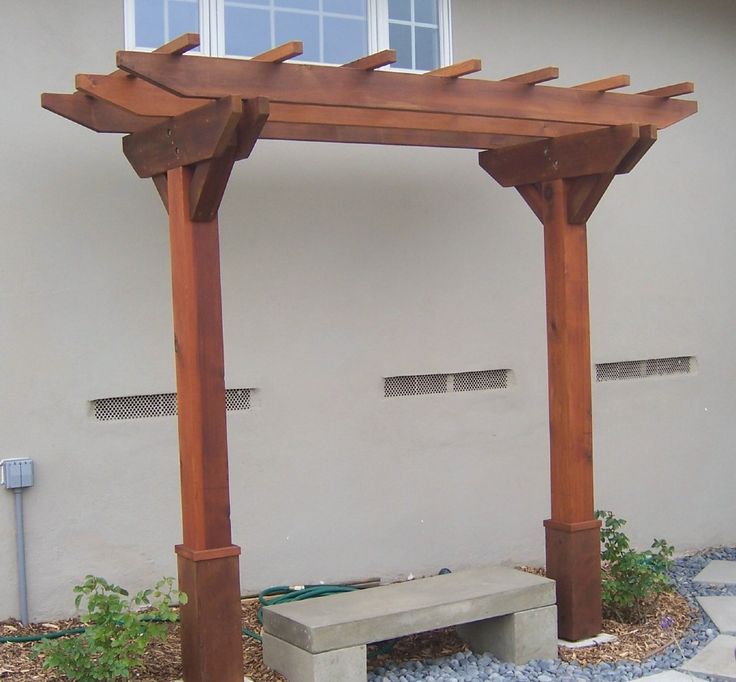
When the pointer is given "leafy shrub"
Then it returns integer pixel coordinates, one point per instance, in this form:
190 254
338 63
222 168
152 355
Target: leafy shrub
117 630
630 579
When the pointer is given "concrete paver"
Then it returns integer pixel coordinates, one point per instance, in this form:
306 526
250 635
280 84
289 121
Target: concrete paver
722 611
718 572
716 659
670 676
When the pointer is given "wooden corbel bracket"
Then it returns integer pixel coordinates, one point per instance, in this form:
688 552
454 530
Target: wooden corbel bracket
587 162
209 139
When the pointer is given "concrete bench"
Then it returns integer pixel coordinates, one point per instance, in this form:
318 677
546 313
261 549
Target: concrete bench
506 612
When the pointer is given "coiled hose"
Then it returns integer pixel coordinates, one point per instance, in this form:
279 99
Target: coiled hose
279 594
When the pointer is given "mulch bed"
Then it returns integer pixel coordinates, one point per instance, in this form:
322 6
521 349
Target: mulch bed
635 643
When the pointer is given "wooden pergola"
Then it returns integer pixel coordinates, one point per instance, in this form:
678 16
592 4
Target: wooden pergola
189 118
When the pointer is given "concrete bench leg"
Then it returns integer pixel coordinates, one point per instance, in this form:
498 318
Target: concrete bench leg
298 665
517 638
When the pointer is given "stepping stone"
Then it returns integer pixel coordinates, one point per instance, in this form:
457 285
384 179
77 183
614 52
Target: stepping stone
722 611
716 659
718 572
670 676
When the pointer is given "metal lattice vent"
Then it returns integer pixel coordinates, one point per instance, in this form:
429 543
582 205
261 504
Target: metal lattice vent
426 384
159 405
640 369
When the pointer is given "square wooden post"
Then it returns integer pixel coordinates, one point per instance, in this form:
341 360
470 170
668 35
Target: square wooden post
572 533
207 560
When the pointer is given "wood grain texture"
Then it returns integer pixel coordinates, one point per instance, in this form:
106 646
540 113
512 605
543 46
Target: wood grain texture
197 305
373 61
573 561
281 53
136 95
161 184
325 85
457 70
185 139
547 73
180 44
569 364
599 151
211 637
584 194
532 194
96 114
675 90
605 84
647 137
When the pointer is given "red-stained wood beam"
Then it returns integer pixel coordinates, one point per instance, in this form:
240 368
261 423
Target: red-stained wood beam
470 132
373 61
185 139
584 194
647 137
179 45
210 177
548 73
136 95
605 84
281 53
600 151
96 114
207 559
335 86
667 91
532 194
457 70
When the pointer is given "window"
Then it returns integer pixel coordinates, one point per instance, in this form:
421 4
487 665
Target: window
333 31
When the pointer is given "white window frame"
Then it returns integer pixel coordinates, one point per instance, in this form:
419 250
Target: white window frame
212 28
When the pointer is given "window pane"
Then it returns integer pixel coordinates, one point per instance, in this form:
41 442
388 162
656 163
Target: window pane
354 7
149 23
183 18
304 27
399 9
298 4
427 47
425 11
399 38
345 39
247 31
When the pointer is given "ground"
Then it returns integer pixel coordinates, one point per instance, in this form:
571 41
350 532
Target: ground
635 642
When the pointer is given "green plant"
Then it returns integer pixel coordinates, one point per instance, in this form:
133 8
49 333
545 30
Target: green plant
630 579
117 630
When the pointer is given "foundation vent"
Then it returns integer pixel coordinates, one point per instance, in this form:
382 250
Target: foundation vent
425 384
159 405
640 369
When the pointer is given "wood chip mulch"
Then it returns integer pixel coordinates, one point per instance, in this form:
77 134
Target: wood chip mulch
635 643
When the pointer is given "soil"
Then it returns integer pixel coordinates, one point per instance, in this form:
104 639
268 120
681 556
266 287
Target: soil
163 663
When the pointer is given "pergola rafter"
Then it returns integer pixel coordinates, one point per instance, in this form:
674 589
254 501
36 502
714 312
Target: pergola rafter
189 118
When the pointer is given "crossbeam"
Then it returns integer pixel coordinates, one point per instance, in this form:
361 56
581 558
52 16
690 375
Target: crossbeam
324 85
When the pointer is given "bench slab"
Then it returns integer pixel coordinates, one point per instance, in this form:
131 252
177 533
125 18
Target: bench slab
356 618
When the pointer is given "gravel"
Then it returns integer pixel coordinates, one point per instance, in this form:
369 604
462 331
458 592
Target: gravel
468 667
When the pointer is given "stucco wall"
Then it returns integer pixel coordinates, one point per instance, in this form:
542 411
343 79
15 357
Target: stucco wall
342 265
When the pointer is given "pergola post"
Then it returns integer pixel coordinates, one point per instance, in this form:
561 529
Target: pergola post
562 181
207 560
572 532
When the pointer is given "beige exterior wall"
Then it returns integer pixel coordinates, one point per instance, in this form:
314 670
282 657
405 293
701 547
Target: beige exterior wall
342 265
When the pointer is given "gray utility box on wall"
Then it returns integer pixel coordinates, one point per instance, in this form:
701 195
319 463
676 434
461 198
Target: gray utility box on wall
16 473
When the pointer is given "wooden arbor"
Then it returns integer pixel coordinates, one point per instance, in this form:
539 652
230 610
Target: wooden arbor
188 119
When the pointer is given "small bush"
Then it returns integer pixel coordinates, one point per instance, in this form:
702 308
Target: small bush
630 579
117 630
